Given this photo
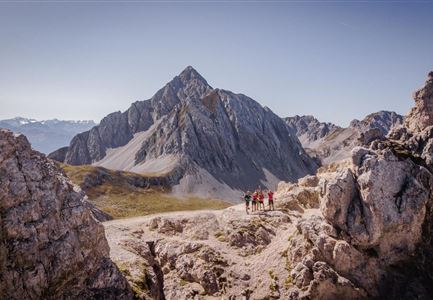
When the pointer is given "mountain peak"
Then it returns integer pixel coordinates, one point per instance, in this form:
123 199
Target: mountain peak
189 74
189 69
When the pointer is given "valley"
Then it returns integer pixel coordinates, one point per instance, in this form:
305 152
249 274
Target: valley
124 194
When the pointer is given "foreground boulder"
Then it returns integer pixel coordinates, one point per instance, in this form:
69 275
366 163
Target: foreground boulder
51 247
371 226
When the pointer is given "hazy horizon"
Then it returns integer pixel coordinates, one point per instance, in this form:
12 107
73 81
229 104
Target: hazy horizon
336 61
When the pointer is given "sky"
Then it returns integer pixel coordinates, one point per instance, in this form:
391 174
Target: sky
336 60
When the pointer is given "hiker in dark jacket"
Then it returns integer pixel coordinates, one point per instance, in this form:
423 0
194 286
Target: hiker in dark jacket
247 198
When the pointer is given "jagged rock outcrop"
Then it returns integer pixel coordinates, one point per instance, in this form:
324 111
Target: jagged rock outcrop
215 141
331 143
51 247
421 116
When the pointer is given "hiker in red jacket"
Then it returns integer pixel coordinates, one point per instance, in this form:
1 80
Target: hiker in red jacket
261 200
271 199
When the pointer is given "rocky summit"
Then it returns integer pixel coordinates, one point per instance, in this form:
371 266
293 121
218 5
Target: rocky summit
209 142
358 229
51 246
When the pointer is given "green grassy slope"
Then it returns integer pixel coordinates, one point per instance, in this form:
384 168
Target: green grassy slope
125 194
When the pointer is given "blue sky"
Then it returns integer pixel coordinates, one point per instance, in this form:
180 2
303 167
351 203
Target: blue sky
335 60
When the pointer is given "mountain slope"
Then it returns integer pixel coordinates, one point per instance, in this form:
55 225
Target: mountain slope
46 136
211 142
118 194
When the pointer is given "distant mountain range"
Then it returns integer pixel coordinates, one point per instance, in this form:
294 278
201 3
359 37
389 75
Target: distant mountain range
209 142
332 143
46 136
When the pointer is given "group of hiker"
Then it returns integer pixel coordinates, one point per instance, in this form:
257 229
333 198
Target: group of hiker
257 200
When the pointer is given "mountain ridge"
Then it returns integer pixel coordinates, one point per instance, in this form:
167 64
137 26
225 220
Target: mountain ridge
214 137
331 143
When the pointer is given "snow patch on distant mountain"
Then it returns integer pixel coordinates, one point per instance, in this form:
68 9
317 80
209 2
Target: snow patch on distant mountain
46 135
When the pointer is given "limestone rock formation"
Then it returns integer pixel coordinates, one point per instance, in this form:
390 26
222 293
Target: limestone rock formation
371 225
51 247
214 141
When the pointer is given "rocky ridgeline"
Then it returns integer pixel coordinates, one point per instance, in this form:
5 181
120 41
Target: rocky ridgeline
331 143
308 129
51 246
358 229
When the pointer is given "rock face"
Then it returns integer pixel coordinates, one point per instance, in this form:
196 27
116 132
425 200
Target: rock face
48 135
358 229
215 141
331 143
51 247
